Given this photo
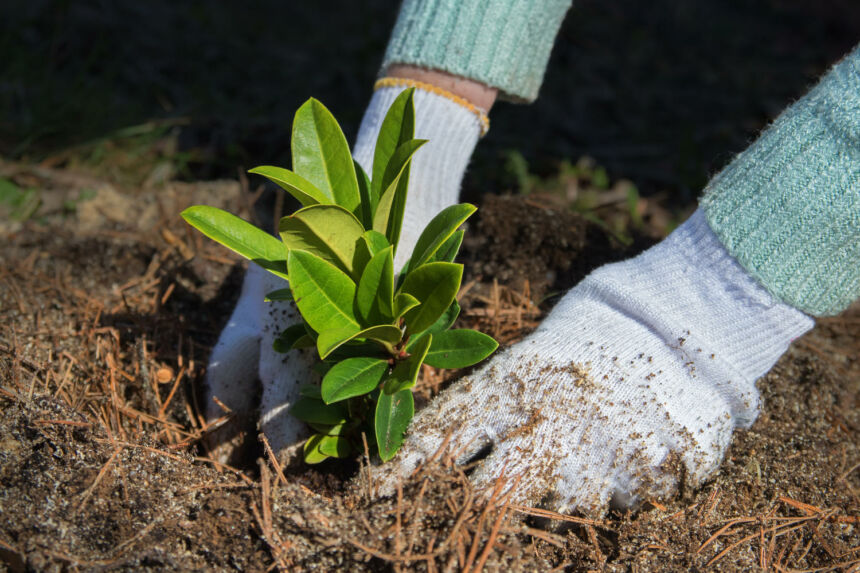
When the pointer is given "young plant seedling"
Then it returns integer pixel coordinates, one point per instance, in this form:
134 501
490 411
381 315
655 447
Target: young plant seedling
371 328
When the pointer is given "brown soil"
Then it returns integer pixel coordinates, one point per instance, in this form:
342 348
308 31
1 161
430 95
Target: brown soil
108 314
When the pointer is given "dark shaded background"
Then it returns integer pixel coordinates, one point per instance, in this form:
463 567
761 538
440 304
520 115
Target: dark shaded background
662 92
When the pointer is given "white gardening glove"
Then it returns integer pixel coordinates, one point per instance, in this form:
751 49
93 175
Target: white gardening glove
244 351
635 380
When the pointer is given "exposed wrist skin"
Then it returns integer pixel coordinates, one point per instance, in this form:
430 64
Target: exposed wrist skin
476 93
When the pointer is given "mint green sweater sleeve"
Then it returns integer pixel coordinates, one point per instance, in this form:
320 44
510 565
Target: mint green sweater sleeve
501 43
788 208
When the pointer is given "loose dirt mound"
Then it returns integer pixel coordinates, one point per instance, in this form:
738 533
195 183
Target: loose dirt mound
107 321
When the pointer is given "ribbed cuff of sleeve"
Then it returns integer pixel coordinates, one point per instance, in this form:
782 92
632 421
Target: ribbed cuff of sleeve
501 43
788 208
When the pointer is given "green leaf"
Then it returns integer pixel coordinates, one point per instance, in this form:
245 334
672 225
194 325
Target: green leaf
306 341
397 128
449 249
279 295
383 210
376 241
331 340
311 450
323 293
354 349
328 430
287 339
240 236
435 285
404 302
335 446
371 243
318 412
365 208
303 190
388 216
321 154
459 348
327 231
393 414
441 325
374 296
310 391
405 374
439 230
352 377
321 368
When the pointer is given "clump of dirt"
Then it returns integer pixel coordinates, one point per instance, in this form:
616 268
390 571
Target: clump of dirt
104 339
519 239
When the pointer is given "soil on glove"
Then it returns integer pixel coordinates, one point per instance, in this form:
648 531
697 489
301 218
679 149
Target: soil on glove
110 309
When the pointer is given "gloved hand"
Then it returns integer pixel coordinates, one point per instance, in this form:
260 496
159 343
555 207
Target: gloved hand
244 351
635 381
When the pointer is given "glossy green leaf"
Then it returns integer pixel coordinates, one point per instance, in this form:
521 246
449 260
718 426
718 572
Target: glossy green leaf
335 446
282 294
442 324
321 154
323 293
439 230
287 339
311 450
364 211
404 302
331 340
375 241
447 319
371 243
388 216
374 296
393 414
405 374
306 341
240 236
321 368
449 249
435 285
397 128
352 377
357 348
459 348
329 430
310 391
383 210
318 412
303 190
327 231
400 181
